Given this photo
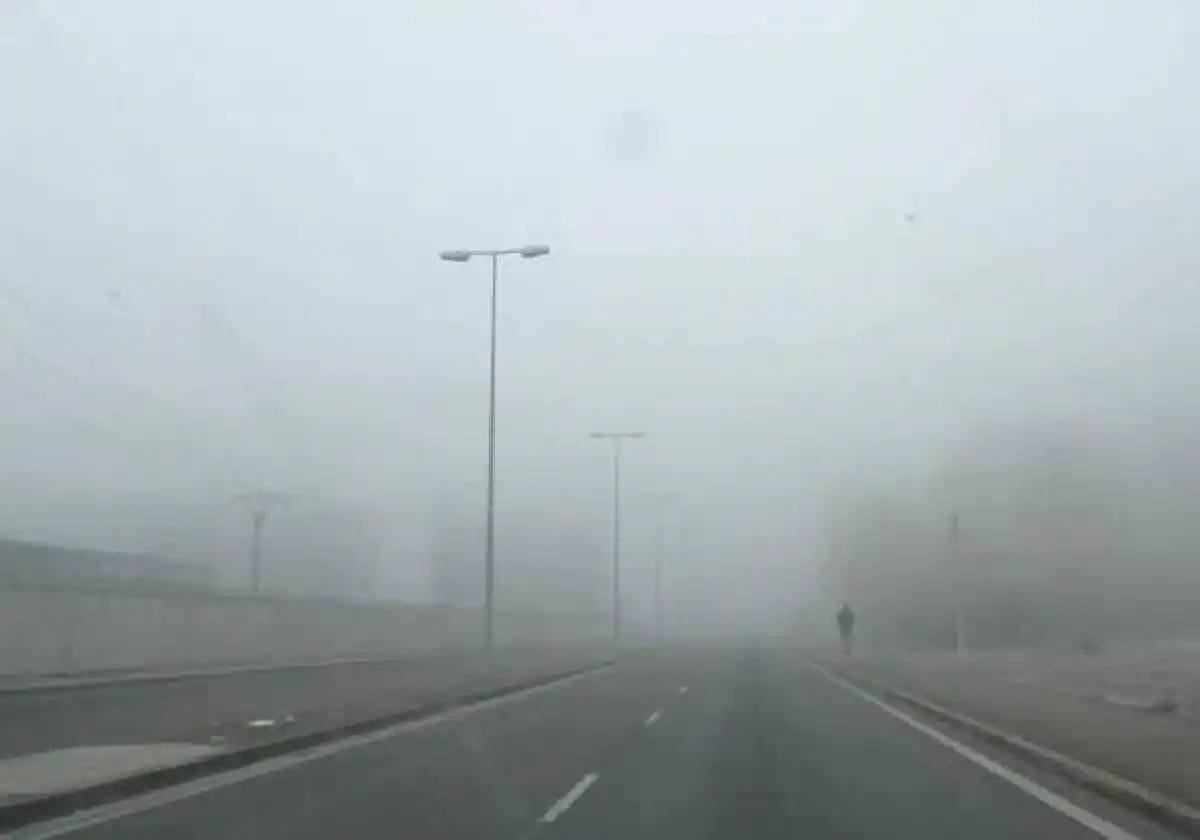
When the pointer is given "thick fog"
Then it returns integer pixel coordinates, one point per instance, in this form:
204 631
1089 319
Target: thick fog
852 268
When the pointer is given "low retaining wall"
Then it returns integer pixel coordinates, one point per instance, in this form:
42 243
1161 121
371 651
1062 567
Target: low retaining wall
61 629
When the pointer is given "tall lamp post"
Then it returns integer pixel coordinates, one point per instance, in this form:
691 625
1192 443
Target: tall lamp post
960 585
662 503
616 438
489 588
260 505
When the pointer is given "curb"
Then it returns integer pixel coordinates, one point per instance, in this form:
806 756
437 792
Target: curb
49 683
26 812
46 685
1137 797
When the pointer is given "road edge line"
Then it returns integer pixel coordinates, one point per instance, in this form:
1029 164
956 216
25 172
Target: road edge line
1056 801
26 813
1133 795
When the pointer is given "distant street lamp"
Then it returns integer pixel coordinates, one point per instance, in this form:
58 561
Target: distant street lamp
528 252
662 502
616 438
260 506
959 574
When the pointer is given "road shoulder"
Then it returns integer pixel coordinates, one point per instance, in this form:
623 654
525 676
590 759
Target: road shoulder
1105 791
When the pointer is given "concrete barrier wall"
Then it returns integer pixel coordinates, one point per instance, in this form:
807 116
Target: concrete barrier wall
59 629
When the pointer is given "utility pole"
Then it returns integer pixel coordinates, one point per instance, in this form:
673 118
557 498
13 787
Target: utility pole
960 581
260 504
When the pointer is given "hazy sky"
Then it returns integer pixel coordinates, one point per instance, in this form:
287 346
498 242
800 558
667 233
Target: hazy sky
791 242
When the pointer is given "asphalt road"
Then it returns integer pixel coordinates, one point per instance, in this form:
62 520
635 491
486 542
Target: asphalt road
715 743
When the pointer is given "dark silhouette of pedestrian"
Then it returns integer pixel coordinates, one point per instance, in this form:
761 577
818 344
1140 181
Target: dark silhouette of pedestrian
845 620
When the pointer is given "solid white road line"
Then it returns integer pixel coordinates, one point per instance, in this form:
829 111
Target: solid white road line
653 717
1085 818
682 690
560 807
157 799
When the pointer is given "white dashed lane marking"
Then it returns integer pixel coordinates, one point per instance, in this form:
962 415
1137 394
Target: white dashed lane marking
560 807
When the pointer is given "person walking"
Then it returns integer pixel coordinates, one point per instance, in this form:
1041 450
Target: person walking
845 620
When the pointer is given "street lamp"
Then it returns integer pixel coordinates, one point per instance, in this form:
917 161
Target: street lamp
661 502
528 252
616 438
959 573
260 505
